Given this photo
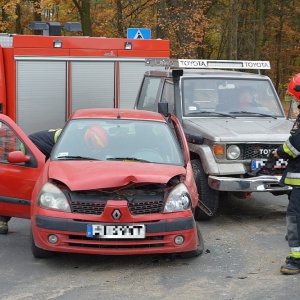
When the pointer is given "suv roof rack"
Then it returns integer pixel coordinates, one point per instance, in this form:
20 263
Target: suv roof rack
207 64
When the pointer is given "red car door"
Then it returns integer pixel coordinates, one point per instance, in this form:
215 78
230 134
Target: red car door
17 180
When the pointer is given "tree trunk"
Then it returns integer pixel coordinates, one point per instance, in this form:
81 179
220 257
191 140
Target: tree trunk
119 17
84 10
260 29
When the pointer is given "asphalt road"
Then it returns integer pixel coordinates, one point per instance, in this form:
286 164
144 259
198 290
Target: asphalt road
244 248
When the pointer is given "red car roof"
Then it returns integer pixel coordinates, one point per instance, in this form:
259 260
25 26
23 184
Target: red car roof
116 113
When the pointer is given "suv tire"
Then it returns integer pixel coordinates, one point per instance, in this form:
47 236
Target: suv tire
207 195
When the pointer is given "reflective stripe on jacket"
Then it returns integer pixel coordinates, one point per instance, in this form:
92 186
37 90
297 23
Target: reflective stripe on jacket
291 150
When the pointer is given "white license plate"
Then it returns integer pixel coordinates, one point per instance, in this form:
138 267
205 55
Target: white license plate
261 163
125 231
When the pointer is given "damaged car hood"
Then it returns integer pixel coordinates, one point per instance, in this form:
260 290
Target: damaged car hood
86 175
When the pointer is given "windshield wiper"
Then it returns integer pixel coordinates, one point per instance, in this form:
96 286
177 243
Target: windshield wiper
212 112
127 158
252 113
77 157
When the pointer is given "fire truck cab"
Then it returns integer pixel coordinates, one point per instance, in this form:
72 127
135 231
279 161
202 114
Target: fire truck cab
44 79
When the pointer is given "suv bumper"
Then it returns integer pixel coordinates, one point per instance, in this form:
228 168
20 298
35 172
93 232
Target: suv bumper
254 184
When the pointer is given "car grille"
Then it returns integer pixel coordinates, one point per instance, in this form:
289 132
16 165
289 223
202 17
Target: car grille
87 207
254 151
147 207
135 208
139 201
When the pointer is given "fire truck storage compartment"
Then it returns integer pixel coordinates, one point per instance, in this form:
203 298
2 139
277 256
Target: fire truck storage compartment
41 92
44 79
48 86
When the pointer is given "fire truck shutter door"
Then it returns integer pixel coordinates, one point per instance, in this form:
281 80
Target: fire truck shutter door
92 84
41 95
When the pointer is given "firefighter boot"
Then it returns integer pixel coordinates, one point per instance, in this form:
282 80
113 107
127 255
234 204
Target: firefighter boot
3 227
291 266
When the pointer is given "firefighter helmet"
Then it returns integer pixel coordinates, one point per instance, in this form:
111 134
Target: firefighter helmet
95 137
294 87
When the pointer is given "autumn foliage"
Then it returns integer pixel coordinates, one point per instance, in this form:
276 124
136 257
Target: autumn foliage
207 29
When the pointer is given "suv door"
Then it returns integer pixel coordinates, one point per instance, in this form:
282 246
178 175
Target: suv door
17 180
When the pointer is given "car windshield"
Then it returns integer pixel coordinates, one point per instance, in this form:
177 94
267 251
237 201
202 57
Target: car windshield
119 140
210 97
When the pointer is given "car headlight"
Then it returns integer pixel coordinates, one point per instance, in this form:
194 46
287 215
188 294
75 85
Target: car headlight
51 196
178 199
233 152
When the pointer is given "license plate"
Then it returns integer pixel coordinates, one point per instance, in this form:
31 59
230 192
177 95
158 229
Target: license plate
262 163
128 231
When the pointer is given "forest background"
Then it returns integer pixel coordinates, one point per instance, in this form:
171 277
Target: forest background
202 29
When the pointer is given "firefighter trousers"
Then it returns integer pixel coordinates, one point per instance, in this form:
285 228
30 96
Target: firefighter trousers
293 218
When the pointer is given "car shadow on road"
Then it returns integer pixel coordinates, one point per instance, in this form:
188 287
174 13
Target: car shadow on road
258 206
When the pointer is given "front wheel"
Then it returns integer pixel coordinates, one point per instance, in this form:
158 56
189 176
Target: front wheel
36 251
207 195
200 246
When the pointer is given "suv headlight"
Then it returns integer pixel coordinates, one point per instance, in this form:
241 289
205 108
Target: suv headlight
178 199
233 152
52 197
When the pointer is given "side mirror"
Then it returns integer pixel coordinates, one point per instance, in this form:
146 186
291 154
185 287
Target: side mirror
193 137
163 108
17 157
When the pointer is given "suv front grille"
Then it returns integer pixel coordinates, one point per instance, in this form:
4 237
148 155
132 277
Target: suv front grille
255 151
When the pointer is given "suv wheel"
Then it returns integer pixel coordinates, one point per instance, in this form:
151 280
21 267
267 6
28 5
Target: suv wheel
207 195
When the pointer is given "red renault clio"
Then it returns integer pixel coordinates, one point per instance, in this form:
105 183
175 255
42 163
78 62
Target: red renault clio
118 182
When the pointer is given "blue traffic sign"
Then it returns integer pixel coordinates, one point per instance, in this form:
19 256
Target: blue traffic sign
139 33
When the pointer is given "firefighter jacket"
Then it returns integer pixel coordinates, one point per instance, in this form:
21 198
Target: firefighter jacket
291 150
45 140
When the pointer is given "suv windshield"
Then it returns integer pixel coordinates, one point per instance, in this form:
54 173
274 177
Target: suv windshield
120 140
217 95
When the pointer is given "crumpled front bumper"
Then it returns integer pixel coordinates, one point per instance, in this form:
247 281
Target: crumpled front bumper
253 184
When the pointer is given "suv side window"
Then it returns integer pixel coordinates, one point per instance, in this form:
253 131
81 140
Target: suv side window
148 94
168 95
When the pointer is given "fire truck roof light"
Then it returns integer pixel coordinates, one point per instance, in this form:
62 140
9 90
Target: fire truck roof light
37 25
6 40
208 64
72 26
128 46
57 44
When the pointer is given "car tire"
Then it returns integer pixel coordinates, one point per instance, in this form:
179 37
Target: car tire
200 246
207 195
38 252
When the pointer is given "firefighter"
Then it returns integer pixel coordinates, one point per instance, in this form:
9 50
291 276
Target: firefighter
44 141
291 150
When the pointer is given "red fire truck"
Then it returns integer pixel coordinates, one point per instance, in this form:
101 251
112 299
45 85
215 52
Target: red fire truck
44 79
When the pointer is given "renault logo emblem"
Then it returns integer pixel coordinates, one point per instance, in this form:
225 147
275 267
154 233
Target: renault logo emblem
116 214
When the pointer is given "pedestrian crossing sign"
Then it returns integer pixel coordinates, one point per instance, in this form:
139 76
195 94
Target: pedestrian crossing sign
139 33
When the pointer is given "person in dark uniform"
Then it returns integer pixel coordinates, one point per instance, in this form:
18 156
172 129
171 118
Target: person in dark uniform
44 141
291 150
296 123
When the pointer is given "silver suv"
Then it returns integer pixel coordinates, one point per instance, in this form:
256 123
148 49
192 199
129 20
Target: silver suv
232 120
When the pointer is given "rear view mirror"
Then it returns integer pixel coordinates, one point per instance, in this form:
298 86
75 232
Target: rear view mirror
163 108
17 157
